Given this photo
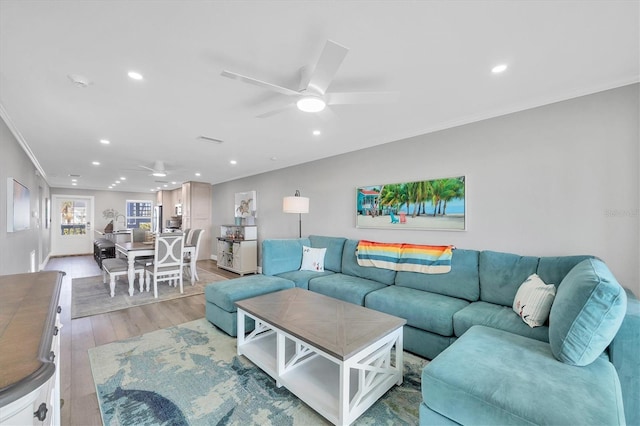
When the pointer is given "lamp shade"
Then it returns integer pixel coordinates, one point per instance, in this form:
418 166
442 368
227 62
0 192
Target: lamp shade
295 204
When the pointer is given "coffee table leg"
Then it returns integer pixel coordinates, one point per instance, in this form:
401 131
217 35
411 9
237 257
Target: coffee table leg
399 357
280 350
343 410
240 331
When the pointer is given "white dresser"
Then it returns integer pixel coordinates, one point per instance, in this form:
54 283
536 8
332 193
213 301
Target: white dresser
30 348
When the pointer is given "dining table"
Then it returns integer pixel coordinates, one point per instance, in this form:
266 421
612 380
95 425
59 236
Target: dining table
145 249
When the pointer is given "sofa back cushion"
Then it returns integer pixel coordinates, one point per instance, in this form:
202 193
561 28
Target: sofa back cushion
284 255
350 266
586 314
334 246
501 275
462 281
553 269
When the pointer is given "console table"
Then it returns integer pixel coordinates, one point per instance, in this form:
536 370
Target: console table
30 348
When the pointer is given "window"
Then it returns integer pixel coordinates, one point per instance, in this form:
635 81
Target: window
139 214
73 218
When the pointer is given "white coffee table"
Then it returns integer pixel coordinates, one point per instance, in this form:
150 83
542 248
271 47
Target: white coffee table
335 356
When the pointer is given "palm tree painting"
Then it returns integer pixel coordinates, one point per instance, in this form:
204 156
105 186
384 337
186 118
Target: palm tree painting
437 204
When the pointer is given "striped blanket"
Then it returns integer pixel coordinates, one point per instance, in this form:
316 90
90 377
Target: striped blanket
405 257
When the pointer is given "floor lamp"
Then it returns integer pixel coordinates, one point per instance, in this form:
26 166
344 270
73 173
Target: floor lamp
296 204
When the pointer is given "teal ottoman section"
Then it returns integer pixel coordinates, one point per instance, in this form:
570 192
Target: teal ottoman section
491 376
221 296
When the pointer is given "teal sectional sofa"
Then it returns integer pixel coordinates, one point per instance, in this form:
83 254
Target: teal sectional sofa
488 366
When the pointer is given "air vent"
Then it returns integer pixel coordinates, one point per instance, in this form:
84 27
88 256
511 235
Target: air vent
209 139
74 176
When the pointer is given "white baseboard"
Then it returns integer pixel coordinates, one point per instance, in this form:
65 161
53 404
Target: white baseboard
44 263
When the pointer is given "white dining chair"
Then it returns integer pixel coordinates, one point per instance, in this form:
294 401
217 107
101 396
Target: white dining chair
196 237
167 261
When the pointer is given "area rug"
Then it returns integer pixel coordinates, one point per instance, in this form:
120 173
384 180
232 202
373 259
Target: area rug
191 375
90 295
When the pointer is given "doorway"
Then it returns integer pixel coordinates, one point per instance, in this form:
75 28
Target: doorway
71 225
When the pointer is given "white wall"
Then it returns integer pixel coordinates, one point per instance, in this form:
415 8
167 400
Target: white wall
16 247
555 180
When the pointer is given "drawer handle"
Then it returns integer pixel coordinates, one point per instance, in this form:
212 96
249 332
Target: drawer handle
41 414
56 330
59 309
52 356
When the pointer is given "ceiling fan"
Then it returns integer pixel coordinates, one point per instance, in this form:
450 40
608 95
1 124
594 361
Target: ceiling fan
158 169
314 82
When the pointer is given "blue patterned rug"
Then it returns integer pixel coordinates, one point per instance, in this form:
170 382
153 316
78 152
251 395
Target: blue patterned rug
191 375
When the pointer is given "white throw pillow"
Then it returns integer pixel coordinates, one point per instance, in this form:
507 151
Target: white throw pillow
312 259
533 301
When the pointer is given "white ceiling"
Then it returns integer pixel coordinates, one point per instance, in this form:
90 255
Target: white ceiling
436 54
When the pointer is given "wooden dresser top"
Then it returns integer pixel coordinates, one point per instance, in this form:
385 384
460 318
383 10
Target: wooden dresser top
28 305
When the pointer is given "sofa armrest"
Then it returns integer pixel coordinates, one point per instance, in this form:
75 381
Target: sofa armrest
624 353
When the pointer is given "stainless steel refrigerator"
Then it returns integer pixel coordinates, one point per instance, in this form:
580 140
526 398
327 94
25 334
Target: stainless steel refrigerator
156 220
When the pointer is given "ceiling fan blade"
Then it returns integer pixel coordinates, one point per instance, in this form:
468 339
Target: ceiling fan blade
259 83
145 167
342 98
276 111
330 60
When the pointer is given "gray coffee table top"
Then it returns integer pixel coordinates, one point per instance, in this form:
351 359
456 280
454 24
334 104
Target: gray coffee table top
334 326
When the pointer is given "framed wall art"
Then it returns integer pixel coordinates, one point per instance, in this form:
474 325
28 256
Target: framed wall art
436 204
246 209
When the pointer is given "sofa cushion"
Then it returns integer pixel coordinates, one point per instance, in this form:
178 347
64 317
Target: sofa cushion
533 301
224 294
312 259
301 278
501 275
462 281
553 269
350 266
427 311
490 376
586 314
282 255
334 246
344 287
495 316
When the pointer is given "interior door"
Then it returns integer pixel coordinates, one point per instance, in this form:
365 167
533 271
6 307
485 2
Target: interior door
71 225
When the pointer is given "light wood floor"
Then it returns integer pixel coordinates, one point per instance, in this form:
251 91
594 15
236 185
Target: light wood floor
77 336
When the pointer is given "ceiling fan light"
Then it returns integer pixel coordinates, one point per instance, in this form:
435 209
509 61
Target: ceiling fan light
159 174
311 104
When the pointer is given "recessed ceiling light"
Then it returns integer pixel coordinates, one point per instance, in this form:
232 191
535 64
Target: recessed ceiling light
311 104
96 163
233 162
135 75
197 173
117 181
105 141
173 182
273 158
74 184
317 133
74 180
165 185
499 68
123 178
